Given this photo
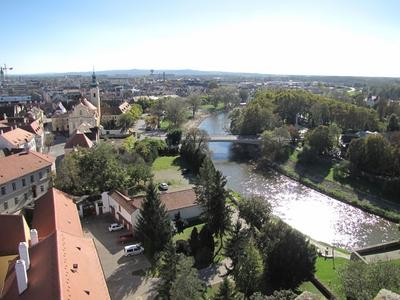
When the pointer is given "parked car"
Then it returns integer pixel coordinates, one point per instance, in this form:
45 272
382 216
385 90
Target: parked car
163 186
125 238
134 249
115 227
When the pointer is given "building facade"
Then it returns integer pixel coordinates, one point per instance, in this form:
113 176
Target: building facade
26 177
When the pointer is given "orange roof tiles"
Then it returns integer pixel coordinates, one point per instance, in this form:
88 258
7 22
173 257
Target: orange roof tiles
64 264
18 137
51 215
22 164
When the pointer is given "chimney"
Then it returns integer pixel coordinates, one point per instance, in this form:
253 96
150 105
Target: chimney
24 254
22 277
34 237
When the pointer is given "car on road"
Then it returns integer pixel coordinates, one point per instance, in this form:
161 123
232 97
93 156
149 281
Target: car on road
134 249
115 227
163 186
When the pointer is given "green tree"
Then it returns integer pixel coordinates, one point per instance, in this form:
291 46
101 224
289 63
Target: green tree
49 140
167 270
187 284
226 291
175 111
91 171
157 109
235 244
364 281
194 102
125 121
275 144
320 140
194 148
244 95
153 225
255 210
174 137
211 195
393 124
289 259
248 270
135 111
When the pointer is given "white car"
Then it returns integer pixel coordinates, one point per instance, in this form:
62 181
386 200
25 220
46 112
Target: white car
163 186
135 249
115 227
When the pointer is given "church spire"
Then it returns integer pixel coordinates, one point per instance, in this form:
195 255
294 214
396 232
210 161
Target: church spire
94 80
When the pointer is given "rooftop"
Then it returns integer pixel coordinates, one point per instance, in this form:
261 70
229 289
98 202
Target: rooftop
78 139
18 137
172 201
22 164
64 264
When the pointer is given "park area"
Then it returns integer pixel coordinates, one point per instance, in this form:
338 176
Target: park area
168 169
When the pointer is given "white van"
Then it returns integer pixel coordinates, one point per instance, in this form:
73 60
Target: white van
133 249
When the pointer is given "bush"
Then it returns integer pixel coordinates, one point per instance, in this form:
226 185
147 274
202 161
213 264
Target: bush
307 156
341 170
183 246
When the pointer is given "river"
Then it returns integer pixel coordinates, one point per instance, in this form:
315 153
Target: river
318 216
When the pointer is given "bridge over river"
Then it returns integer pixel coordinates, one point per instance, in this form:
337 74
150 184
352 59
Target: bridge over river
243 139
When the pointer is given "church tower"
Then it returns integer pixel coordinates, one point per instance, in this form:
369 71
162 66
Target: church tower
95 95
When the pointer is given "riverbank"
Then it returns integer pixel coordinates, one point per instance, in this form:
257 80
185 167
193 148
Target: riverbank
336 190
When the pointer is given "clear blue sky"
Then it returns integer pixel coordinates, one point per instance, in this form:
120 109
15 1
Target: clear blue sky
281 37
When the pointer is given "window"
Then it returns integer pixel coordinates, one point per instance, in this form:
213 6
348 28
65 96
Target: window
48 170
42 188
119 207
32 178
14 186
25 196
5 205
94 94
40 175
80 113
23 182
3 190
16 200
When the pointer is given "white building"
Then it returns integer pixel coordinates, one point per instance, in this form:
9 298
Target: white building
24 177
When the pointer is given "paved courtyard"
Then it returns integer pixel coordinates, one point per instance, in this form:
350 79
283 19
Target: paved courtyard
118 269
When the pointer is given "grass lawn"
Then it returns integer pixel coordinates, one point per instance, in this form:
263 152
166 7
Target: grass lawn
166 162
185 235
211 107
329 276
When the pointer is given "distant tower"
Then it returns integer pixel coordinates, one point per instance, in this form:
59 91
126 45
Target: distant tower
2 75
95 95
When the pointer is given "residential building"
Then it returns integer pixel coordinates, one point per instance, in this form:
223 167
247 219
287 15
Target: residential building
52 260
111 113
24 177
17 139
127 210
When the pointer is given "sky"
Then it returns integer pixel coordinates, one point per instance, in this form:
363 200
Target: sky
338 37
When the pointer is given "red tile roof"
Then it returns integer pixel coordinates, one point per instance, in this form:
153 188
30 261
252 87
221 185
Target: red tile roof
22 164
64 264
172 201
78 139
18 137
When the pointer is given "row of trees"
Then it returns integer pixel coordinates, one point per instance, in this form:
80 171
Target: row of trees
270 109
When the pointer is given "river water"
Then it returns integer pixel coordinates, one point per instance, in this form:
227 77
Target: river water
314 214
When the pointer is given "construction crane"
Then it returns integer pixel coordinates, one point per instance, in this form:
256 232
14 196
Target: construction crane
3 72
